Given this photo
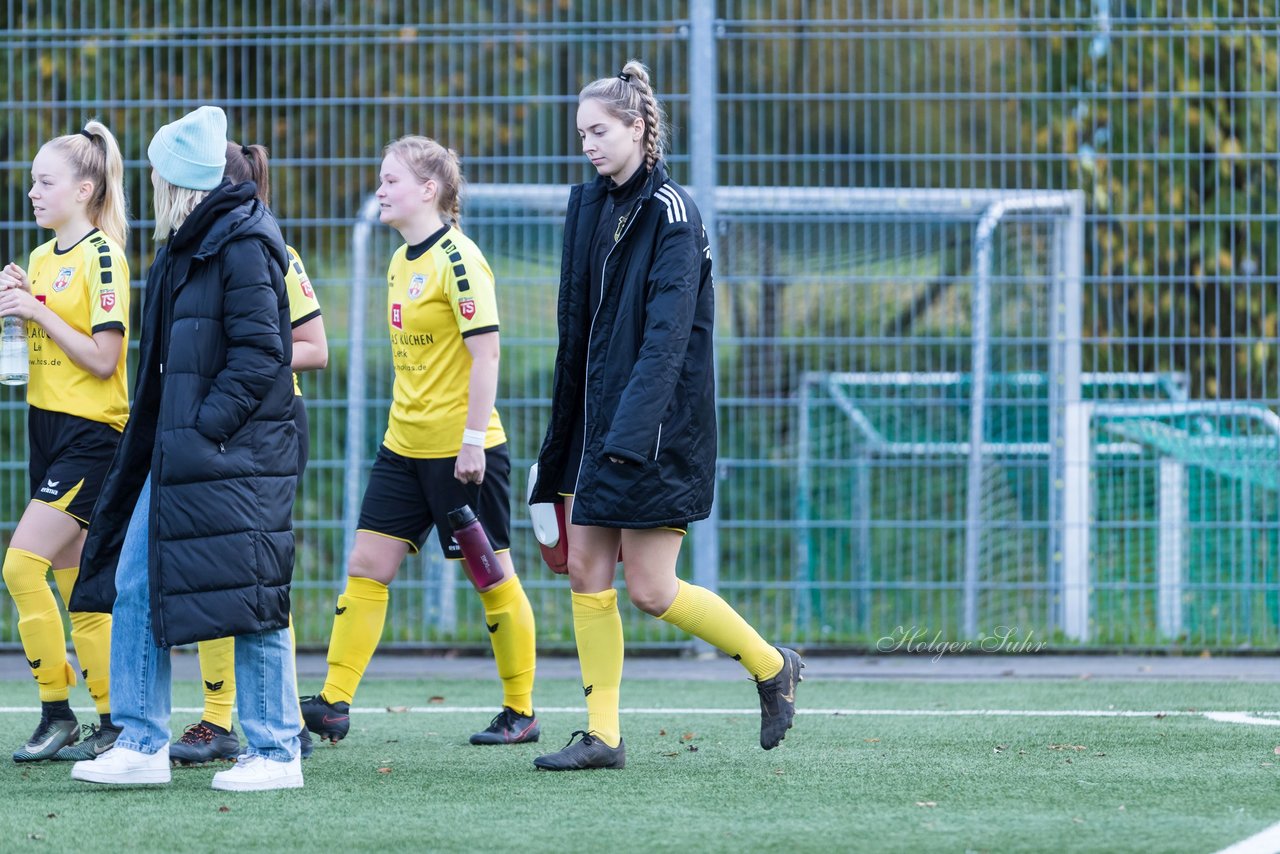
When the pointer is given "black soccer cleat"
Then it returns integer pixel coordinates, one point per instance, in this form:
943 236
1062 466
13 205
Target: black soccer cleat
305 745
590 752
202 743
97 741
778 699
51 735
331 721
509 727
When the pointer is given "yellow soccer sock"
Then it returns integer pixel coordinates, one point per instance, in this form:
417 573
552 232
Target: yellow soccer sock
597 628
509 619
40 627
91 635
357 628
218 672
705 615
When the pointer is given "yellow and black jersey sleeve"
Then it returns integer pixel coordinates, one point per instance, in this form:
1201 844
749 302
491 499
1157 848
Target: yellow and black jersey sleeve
303 305
468 285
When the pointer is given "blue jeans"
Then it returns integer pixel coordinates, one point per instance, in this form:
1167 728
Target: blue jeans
141 676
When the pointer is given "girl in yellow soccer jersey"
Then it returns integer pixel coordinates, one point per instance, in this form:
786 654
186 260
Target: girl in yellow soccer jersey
74 296
444 445
631 447
214 737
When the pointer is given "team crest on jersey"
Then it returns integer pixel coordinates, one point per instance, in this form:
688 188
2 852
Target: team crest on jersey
467 308
64 279
416 284
107 298
396 319
305 284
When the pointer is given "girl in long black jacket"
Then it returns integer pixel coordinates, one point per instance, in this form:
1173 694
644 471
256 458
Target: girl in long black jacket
631 447
192 537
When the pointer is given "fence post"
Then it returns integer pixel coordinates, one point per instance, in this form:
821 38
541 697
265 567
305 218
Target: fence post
702 166
356 393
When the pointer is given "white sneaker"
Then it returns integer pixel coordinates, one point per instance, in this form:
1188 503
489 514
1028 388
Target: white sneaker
253 773
124 767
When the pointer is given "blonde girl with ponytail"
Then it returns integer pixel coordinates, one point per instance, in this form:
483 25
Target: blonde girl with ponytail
74 297
444 447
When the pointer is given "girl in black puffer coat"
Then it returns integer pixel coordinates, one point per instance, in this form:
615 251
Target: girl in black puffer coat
192 537
631 447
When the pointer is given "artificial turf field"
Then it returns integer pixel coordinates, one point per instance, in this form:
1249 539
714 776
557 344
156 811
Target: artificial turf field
872 766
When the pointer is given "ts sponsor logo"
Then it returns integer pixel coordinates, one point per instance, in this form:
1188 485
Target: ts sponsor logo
396 319
63 279
107 298
305 284
467 308
416 284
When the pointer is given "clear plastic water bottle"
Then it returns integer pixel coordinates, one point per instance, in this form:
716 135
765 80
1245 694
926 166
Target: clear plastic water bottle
14 363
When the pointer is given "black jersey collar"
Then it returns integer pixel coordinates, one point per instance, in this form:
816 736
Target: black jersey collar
417 250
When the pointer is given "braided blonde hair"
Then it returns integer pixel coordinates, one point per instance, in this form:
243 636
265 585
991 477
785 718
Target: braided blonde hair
428 160
628 97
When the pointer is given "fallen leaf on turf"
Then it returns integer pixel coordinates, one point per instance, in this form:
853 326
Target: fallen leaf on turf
35 836
871 740
1099 754
384 770
1160 715
693 748
435 699
1000 748
662 732
1076 747
777 771
52 815
1022 753
397 709
688 736
224 809
926 803
677 753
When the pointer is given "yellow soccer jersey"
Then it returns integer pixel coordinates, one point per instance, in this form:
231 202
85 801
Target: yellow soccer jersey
88 287
303 305
434 301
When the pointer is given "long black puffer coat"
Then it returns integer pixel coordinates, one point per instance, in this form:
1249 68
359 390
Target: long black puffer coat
642 368
212 423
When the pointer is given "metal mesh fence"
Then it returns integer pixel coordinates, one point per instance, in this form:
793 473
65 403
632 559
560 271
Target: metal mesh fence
1071 505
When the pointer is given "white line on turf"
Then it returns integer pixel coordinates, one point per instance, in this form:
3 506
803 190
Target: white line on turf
1224 717
1265 842
1241 718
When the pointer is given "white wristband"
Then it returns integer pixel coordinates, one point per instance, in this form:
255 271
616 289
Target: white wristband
473 437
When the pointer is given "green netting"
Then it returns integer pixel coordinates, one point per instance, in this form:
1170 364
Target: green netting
1231 447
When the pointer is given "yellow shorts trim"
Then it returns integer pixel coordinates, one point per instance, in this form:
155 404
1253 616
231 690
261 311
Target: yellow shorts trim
413 548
